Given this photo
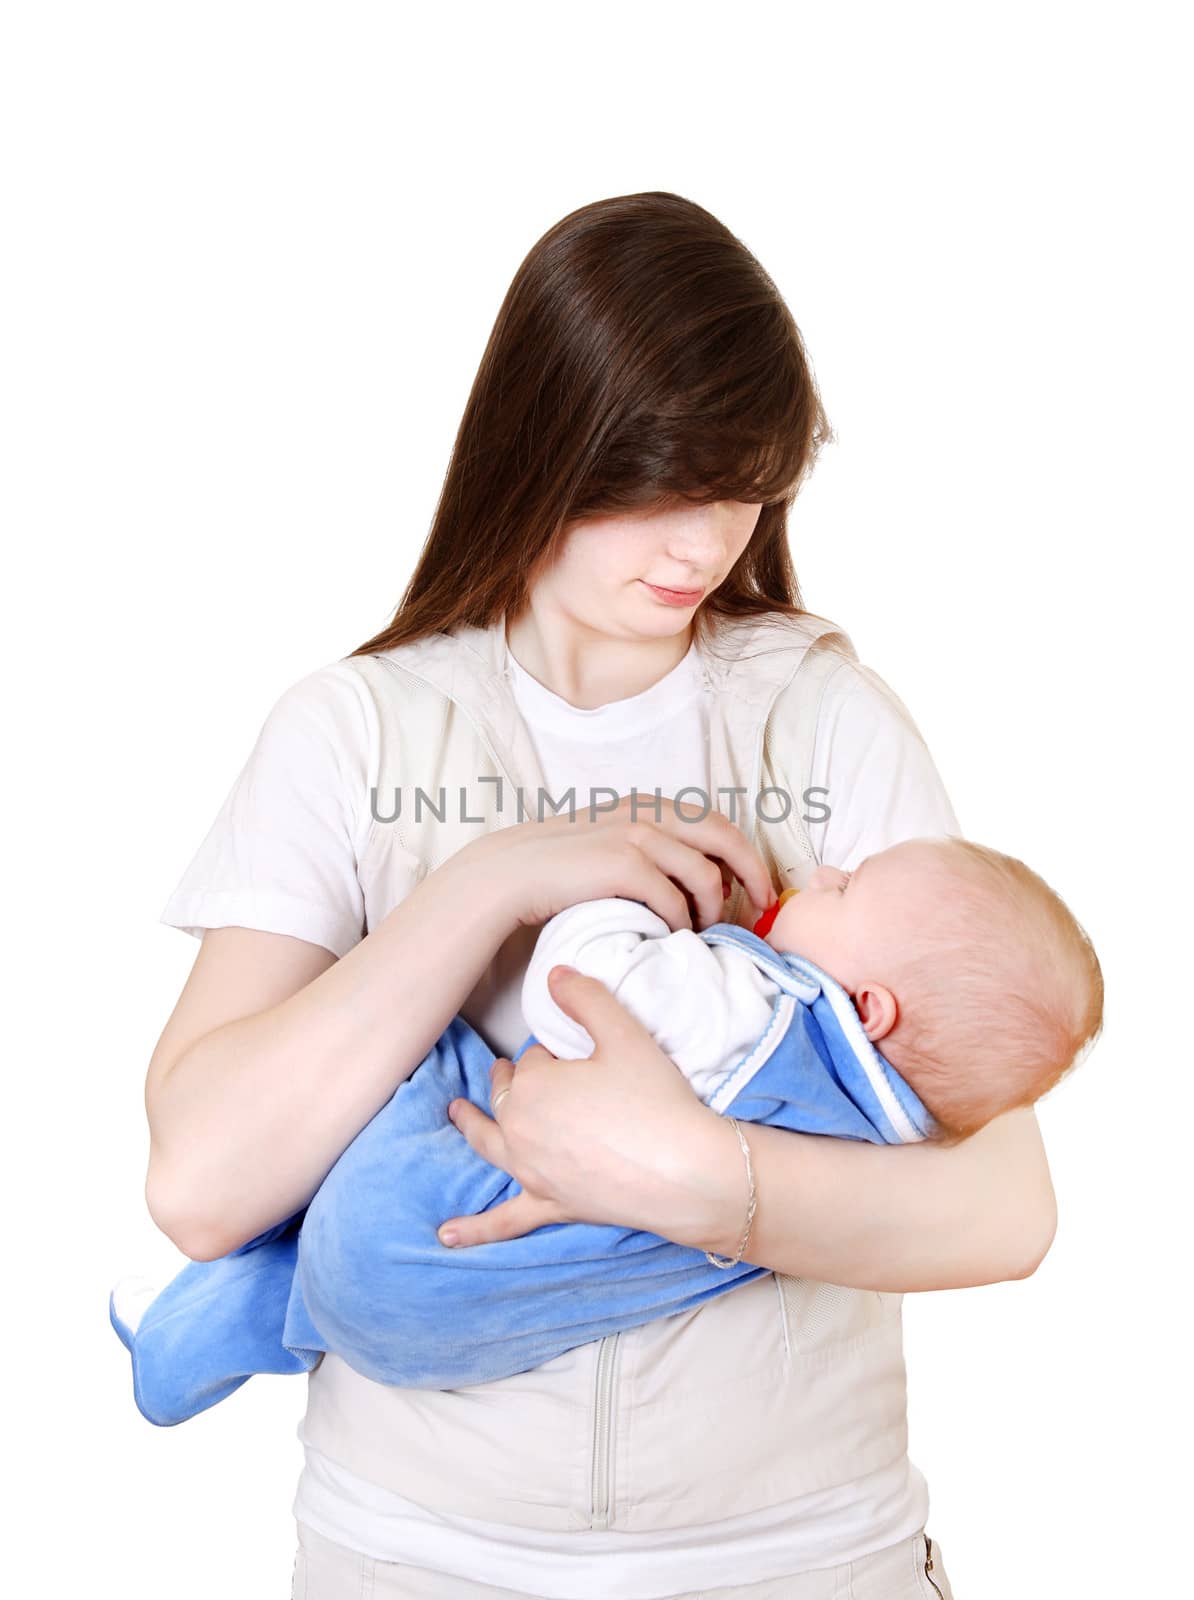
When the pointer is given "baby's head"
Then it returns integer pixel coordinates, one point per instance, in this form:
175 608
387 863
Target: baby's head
966 970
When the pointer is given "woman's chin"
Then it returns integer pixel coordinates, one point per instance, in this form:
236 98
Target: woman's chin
653 621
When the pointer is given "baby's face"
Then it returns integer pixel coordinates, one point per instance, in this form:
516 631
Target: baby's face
855 925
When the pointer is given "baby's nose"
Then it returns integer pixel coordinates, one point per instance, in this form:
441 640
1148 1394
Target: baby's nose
823 877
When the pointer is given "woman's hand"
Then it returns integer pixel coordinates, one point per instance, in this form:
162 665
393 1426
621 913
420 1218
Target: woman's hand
678 862
618 1138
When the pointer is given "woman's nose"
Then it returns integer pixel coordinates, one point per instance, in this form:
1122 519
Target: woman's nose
702 535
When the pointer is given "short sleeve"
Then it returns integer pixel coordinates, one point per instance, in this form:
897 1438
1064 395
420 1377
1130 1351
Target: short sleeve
282 853
874 772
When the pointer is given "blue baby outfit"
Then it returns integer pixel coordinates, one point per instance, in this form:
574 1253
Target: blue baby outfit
361 1271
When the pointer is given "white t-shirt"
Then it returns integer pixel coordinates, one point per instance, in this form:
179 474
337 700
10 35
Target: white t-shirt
281 854
281 857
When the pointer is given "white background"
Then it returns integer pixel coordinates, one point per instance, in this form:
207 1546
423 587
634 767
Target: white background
254 252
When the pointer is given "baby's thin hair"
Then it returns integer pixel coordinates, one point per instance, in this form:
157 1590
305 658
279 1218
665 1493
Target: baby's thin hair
1004 993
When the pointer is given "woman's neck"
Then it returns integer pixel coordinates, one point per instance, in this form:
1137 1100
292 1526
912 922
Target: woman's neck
586 667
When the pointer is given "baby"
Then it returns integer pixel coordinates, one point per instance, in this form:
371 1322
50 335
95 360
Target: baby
979 983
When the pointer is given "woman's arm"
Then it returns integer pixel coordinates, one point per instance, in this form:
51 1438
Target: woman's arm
888 1217
867 1216
265 1074
263 1077
892 1217
913 1217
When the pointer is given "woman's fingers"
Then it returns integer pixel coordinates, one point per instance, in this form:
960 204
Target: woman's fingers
716 836
482 1132
523 1212
681 861
731 847
501 1076
689 857
510 1220
674 859
598 1010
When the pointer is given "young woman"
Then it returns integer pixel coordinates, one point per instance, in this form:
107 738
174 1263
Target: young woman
611 529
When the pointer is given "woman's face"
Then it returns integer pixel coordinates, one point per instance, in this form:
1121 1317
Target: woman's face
605 572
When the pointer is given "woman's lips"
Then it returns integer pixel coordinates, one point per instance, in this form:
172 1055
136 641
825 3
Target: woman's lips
676 597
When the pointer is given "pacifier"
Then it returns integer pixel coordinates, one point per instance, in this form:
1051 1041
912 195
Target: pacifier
763 926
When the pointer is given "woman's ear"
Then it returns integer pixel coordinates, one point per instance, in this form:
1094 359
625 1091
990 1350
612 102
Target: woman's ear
877 1010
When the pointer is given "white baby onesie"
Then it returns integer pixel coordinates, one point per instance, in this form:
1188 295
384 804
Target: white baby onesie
705 1005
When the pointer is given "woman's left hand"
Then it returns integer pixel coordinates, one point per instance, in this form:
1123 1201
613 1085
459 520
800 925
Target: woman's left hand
619 1137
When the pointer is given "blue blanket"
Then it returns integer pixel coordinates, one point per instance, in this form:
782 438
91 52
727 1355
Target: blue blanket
361 1272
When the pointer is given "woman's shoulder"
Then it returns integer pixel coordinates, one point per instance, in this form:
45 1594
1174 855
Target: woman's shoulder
322 728
857 693
808 649
471 647
760 655
333 697
873 769
778 630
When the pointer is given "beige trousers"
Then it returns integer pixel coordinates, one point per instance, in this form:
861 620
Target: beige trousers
910 1570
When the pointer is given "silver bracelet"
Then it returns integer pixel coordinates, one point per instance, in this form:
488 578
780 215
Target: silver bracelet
726 1261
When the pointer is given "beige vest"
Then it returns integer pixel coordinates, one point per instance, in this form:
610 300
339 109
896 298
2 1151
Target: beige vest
771 1390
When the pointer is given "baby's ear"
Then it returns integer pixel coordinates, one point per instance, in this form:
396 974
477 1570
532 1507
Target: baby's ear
877 1010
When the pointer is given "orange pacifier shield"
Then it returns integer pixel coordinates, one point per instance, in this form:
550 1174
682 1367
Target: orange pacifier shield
763 926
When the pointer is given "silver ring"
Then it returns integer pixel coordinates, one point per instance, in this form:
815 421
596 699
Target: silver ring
496 1101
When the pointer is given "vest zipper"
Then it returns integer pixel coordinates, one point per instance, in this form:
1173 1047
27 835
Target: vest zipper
603 1407
603 1430
601 1467
763 746
739 892
765 755
929 1566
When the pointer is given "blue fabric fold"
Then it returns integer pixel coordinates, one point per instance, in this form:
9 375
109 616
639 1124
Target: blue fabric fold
361 1271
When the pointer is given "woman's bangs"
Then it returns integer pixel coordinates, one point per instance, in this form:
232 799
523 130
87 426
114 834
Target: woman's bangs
660 472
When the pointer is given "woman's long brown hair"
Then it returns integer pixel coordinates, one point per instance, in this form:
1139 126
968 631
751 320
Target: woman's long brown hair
641 354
